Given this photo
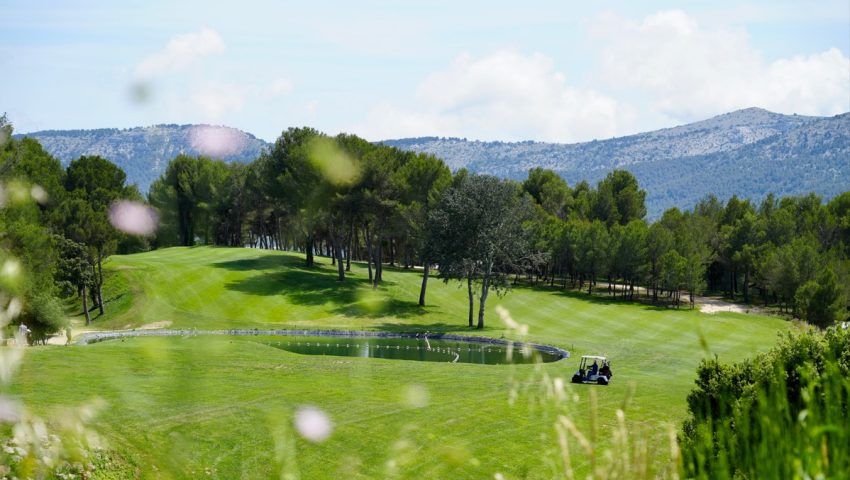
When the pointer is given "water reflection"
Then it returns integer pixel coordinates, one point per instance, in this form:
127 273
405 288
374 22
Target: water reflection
421 349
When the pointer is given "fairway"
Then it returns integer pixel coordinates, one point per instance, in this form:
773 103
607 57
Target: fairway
222 407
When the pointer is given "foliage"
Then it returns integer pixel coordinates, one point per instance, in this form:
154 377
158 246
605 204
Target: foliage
29 446
782 414
476 230
822 302
348 199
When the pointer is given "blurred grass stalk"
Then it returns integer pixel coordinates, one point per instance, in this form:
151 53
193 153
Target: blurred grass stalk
31 447
630 454
772 437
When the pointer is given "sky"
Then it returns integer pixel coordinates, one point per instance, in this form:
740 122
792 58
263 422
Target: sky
560 71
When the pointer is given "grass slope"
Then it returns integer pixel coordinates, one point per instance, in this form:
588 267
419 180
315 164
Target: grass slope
222 407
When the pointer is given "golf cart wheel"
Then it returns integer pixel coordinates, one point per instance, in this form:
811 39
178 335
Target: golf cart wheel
576 378
602 381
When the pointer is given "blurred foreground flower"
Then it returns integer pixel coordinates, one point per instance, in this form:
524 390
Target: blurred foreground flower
416 396
217 142
133 217
10 410
334 164
38 194
313 424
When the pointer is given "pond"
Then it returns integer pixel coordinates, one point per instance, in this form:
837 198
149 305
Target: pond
446 348
420 349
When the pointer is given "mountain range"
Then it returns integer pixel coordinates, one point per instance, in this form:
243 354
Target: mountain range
144 152
749 152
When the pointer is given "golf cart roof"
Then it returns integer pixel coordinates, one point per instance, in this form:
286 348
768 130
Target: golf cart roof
594 357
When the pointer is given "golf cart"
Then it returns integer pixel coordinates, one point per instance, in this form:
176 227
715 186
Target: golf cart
598 372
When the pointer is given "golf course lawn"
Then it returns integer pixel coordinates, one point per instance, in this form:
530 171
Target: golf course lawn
222 407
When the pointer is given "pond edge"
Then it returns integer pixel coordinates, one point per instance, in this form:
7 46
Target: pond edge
96 337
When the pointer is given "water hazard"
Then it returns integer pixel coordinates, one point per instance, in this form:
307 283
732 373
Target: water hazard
445 348
421 349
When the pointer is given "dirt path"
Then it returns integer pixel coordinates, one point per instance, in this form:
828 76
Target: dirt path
77 330
715 304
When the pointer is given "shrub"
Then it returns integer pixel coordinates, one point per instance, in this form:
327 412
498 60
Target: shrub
43 315
821 303
783 414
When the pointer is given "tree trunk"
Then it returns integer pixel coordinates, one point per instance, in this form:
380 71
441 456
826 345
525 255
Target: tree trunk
471 299
485 289
733 281
308 249
426 267
100 284
379 263
348 251
340 266
369 253
85 296
93 290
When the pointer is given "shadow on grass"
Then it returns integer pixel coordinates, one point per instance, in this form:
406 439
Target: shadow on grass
266 262
429 327
318 286
381 307
601 298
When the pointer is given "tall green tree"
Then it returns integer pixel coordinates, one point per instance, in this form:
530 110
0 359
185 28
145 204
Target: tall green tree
93 184
619 199
550 191
74 272
478 228
659 242
594 251
423 178
822 302
31 184
630 254
292 181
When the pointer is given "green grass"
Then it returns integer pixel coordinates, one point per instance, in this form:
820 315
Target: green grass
180 407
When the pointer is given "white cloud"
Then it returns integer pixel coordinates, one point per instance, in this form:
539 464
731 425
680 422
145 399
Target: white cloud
312 108
505 95
687 72
375 35
280 86
214 100
180 52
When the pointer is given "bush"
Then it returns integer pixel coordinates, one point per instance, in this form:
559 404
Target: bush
783 414
43 315
821 303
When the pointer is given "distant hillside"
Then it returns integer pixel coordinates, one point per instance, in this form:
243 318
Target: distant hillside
748 152
144 152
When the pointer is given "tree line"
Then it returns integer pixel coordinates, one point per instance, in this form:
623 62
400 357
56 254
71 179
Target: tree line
54 224
348 199
345 198
792 252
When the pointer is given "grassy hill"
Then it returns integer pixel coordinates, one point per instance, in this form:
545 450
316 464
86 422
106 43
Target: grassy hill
203 407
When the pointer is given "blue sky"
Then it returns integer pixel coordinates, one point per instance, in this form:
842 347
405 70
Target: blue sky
556 71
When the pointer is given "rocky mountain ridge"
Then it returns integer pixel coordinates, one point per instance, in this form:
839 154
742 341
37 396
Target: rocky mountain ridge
750 152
